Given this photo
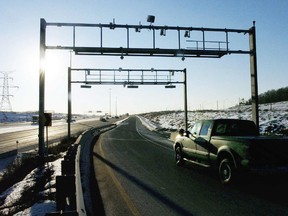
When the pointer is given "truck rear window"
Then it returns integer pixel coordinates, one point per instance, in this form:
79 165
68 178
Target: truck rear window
235 128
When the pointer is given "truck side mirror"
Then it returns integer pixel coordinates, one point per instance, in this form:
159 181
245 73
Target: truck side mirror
188 133
181 132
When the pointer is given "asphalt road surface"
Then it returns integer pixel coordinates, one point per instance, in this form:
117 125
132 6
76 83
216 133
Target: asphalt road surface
27 135
136 175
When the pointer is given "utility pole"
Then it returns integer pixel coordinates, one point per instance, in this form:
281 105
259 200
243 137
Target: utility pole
5 104
116 108
110 102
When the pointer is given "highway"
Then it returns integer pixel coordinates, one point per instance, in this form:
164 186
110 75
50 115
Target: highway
136 175
27 134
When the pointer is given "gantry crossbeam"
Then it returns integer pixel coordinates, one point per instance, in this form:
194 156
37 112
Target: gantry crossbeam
204 48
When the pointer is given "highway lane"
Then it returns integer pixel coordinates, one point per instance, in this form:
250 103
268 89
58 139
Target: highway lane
137 175
28 137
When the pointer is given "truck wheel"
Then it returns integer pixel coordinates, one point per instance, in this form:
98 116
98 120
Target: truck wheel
179 156
226 171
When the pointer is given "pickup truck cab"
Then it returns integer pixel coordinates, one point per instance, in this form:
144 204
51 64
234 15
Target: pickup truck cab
231 145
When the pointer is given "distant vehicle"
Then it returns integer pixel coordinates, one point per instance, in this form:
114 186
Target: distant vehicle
71 121
232 146
35 119
103 119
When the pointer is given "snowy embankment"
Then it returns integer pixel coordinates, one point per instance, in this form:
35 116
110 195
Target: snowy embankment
43 202
273 118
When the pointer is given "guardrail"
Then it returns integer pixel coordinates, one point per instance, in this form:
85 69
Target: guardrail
73 184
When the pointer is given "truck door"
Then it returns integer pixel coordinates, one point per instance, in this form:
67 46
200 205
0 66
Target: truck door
202 142
189 146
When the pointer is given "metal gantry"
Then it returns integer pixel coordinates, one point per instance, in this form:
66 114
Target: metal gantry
202 48
198 48
127 77
130 78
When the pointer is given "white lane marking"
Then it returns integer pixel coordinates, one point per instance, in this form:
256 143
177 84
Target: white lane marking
151 141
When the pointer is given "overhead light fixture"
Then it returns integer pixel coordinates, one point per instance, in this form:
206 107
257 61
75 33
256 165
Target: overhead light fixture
163 32
112 25
86 86
138 29
170 86
132 86
187 34
150 19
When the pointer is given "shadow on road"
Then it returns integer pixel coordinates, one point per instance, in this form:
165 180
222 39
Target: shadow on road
269 187
148 189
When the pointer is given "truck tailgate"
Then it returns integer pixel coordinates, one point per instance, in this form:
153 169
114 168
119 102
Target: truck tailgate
270 151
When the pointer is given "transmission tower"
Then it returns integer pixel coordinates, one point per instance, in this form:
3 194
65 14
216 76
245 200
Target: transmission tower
5 104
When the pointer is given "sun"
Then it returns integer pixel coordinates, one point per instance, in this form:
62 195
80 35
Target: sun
56 70
55 61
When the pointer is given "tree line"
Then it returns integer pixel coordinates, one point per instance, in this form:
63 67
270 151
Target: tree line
271 96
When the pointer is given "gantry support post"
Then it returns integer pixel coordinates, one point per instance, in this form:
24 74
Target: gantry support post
41 149
185 99
253 71
69 103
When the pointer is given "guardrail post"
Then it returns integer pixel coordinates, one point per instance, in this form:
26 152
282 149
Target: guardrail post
65 188
65 184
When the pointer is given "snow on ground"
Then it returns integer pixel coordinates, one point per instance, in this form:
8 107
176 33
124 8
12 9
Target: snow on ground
273 118
11 127
12 195
39 209
5 162
16 116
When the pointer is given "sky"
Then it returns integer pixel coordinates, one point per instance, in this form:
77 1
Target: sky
211 83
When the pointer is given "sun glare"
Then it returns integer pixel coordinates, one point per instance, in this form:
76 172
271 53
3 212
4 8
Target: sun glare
52 62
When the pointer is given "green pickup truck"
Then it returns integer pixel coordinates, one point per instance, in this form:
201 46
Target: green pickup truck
232 146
